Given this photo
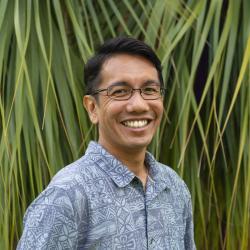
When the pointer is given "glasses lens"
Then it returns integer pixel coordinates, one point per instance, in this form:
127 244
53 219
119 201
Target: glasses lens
151 92
119 92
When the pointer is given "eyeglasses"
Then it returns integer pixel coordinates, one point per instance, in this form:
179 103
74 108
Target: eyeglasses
124 92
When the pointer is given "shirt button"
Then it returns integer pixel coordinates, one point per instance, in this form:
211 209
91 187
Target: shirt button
136 182
152 240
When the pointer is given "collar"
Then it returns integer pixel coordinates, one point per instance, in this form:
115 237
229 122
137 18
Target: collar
119 173
158 173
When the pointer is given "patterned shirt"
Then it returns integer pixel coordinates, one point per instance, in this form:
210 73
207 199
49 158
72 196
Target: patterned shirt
97 203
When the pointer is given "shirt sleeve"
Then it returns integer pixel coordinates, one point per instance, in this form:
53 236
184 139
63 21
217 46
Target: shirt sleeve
189 232
50 222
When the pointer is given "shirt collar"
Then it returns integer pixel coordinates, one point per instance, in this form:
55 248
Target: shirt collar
158 174
119 173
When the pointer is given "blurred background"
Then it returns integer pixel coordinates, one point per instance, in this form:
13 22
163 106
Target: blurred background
204 47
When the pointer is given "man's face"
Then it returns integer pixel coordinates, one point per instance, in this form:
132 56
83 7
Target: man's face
129 124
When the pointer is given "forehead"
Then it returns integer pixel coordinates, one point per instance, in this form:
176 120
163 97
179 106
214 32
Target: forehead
128 68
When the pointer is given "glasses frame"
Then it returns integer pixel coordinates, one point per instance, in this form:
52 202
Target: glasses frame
132 90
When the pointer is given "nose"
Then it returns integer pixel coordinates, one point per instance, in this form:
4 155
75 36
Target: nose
136 103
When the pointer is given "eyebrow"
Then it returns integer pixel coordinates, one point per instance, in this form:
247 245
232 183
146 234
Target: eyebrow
124 83
120 83
151 82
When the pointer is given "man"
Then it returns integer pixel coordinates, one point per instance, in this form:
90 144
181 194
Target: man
117 196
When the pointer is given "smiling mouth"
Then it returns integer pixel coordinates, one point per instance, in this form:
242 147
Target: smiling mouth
136 123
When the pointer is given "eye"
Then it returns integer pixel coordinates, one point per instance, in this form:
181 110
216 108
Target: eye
119 91
151 90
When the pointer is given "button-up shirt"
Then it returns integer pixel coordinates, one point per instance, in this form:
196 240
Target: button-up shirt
98 203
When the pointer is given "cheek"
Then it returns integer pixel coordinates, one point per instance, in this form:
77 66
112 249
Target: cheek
109 107
103 109
109 113
161 108
113 109
106 102
158 109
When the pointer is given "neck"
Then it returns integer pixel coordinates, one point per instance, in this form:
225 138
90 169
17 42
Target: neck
133 159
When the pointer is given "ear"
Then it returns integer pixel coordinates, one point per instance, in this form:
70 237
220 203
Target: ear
90 104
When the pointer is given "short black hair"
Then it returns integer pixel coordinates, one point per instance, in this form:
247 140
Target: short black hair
119 45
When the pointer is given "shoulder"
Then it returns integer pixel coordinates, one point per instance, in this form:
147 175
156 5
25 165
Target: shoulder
66 194
67 190
76 175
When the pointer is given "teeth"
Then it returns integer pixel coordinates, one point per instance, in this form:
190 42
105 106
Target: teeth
136 124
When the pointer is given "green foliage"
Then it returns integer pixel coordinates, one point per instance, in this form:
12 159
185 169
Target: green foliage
205 133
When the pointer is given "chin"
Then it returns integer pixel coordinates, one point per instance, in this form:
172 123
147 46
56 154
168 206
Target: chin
138 144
